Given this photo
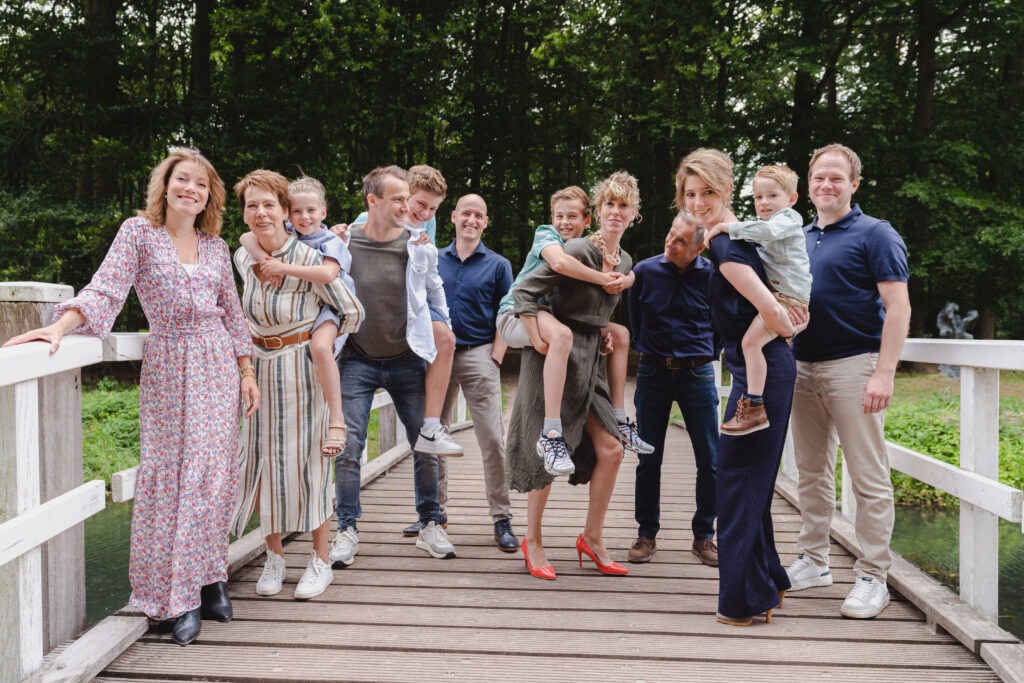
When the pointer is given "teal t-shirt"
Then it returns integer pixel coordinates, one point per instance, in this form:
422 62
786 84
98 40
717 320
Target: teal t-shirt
430 226
545 236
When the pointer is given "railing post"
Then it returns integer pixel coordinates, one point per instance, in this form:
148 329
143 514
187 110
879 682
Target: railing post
21 581
979 453
24 306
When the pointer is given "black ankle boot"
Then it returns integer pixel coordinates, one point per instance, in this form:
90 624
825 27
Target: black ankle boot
215 602
186 627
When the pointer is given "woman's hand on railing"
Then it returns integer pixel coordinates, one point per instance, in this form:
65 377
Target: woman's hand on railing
52 333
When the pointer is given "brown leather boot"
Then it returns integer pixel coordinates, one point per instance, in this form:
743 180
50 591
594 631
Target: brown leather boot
642 549
706 550
747 419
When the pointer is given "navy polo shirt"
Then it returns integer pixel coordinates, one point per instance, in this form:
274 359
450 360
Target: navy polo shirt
732 313
848 260
474 288
669 311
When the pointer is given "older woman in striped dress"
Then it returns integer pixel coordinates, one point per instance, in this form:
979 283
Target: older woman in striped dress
280 459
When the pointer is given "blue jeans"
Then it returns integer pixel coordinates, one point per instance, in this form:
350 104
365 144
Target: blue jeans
403 378
695 392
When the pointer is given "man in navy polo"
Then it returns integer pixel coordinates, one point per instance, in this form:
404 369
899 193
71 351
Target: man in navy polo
846 362
671 324
475 278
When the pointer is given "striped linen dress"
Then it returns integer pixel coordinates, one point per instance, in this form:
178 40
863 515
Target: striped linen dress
279 452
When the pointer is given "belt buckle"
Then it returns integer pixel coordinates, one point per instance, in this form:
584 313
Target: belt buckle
273 343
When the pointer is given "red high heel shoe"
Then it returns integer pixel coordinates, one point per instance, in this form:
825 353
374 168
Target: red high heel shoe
612 568
545 572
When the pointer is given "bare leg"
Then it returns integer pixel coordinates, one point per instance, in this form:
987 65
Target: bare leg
602 483
321 347
559 339
440 371
274 543
321 536
536 501
756 337
616 364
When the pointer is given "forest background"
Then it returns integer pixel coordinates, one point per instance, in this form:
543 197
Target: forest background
517 98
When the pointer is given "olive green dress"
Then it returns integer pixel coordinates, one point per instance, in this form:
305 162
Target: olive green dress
585 308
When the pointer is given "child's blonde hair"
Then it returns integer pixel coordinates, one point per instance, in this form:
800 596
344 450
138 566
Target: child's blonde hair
427 178
571 193
783 175
619 185
306 185
711 166
843 151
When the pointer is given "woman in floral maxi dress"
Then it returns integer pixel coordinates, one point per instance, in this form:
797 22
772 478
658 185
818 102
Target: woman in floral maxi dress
189 390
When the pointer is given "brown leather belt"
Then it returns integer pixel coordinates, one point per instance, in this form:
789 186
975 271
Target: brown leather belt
675 363
275 343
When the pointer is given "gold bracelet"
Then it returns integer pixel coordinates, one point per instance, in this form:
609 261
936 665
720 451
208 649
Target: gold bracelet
247 371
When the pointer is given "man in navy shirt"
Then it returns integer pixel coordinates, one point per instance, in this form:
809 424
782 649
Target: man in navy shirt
475 278
846 362
671 324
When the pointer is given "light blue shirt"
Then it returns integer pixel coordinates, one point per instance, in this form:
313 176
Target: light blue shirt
782 246
545 236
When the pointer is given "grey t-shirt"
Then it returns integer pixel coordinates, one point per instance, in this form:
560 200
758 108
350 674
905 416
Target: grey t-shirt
378 269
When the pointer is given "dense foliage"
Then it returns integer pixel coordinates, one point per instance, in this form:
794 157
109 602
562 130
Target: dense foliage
516 98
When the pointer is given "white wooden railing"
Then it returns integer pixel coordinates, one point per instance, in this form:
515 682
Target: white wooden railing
983 500
35 523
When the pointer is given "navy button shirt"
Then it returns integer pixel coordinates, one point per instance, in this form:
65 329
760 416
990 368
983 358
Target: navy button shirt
474 288
848 260
669 311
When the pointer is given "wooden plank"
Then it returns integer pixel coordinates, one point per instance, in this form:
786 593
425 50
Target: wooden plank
1005 659
248 663
33 360
92 652
718 644
979 490
122 484
30 529
34 292
981 353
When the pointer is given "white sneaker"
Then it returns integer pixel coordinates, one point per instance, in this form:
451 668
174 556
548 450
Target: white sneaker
631 438
345 546
555 453
805 574
315 579
435 541
272 577
867 599
437 441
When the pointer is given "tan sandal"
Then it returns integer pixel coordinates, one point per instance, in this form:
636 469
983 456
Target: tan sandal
333 445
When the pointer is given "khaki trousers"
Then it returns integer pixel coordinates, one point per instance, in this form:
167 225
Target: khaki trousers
827 411
480 380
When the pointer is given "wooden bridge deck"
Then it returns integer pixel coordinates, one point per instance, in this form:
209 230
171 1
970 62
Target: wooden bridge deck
399 615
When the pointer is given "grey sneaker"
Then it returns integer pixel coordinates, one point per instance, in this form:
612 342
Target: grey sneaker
272 577
805 574
437 441
345 546
315 580
554 451
867 599
435 541
631 438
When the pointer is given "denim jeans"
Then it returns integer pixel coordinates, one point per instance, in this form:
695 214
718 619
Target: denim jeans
403 378
695 392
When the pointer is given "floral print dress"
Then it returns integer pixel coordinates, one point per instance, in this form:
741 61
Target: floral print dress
188 408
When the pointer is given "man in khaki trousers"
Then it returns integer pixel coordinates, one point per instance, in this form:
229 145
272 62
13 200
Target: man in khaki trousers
846 363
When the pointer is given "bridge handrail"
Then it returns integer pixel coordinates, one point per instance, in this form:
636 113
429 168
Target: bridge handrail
35 523
983 499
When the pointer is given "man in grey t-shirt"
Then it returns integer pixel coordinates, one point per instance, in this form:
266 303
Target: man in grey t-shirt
391 353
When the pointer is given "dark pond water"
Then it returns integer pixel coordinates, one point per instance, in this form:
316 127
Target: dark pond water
931 540
928 538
